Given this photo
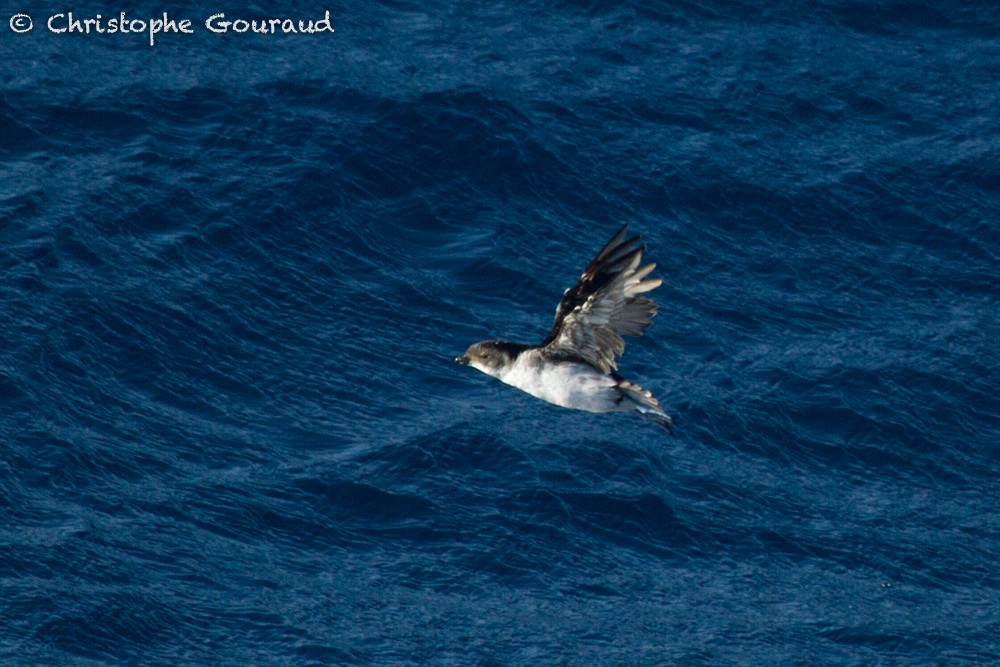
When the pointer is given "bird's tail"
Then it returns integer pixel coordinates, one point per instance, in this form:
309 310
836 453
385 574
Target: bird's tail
645 404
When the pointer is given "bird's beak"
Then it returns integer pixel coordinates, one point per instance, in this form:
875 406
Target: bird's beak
464 360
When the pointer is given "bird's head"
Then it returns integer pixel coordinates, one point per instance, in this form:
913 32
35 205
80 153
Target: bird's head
489 356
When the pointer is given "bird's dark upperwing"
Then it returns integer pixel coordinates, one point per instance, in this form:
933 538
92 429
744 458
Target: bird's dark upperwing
604 305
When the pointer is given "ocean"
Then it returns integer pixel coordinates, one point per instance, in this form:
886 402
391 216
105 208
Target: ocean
236 267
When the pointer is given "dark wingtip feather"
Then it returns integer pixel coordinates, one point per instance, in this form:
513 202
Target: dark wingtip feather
615 242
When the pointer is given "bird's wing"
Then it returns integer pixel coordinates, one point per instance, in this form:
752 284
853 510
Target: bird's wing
605 305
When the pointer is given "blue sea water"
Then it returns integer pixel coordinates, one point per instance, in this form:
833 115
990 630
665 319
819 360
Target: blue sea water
235 269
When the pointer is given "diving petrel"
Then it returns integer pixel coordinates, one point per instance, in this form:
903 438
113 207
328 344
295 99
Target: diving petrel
575 365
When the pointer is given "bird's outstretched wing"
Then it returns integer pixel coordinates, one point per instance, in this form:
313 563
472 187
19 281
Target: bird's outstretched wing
605 305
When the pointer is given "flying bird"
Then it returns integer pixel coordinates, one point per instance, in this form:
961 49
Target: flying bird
574 366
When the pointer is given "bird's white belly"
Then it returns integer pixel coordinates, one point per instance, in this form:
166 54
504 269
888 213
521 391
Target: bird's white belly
570 385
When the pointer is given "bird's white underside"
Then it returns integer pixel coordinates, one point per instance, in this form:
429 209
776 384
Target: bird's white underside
573 385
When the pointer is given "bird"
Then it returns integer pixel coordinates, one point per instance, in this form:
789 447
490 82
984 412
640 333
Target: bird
574 366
